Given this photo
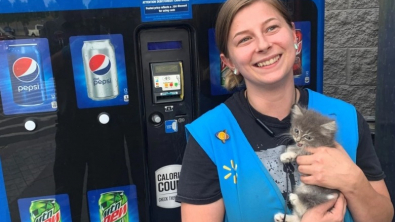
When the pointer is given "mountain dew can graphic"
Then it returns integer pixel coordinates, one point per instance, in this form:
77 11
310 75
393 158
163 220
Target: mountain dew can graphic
46 210
113 207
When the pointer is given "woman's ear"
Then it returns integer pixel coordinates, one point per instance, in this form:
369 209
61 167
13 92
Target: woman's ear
227 61
294 32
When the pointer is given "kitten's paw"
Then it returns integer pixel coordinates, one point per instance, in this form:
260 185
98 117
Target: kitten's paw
287 157
293 198
279 217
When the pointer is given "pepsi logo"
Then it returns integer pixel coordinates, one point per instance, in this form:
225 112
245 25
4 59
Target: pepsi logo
26 69
100 64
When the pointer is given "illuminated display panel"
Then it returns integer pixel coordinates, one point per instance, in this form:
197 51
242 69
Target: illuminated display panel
169 45
166 68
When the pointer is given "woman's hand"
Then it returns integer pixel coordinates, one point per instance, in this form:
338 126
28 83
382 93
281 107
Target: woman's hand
331 211
328 167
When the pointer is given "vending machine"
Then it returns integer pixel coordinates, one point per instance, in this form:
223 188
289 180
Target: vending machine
95 96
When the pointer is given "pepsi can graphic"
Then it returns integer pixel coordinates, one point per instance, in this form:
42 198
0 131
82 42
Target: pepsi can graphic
27 79
100 69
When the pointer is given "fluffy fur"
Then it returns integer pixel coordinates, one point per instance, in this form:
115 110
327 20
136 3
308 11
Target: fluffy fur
308 129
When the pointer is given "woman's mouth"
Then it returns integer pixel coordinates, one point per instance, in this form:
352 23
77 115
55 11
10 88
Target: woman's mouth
269 61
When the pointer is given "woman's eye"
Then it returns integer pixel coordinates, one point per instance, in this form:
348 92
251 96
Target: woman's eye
272 28
244 39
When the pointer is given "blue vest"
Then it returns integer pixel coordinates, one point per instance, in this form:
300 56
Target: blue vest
248 190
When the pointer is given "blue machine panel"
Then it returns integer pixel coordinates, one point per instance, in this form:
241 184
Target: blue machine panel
4 211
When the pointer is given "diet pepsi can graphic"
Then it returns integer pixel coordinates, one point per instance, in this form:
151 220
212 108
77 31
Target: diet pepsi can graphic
99 70
24 63
26 79
55 208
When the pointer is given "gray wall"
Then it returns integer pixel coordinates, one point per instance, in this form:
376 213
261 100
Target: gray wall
350 52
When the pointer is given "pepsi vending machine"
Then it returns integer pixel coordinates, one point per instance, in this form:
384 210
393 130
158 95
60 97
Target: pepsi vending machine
95 96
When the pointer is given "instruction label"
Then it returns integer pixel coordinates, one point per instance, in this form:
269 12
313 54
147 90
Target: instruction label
166 186
161 10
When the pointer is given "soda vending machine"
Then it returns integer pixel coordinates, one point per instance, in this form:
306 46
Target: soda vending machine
95 95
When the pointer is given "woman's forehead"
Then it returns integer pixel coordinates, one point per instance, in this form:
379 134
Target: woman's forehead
257 12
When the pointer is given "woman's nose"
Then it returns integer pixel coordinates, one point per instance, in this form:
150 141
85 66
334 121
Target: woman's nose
263 44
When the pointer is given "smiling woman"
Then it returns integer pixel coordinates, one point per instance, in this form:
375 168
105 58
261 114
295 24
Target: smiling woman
262 50
231 167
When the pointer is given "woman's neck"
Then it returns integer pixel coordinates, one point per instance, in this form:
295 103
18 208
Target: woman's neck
274 102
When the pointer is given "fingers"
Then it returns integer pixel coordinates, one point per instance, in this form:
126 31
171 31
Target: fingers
332 210
322 148
313 150
339 209
317 155
336 206
306 169
308 180
325 207
305 160
340 206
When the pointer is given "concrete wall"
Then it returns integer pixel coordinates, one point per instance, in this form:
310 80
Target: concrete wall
350 55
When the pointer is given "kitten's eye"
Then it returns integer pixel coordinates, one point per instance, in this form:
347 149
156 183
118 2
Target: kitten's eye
296 131
307 137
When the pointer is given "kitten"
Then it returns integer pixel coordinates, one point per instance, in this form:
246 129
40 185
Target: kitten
308 129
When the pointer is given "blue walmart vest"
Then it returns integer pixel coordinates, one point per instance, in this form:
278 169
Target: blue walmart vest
248 190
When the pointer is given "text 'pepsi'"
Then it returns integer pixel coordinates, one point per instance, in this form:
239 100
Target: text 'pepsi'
100 81
29 88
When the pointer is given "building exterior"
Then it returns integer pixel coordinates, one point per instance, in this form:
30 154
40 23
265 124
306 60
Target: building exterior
350 52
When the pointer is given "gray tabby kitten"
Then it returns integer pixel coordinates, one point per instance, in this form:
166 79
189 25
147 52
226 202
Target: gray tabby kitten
309 129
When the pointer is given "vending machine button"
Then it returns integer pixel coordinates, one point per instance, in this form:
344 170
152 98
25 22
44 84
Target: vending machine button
171 126
156 118
30 125
104 118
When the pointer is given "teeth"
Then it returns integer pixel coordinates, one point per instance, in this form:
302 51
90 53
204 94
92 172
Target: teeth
268 62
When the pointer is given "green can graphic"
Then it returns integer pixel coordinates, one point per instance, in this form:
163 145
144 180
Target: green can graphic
44 210
113 207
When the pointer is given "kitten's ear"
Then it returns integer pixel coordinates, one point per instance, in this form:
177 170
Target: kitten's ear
328 128
297 111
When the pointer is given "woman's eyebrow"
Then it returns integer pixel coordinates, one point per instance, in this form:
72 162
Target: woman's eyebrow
244 31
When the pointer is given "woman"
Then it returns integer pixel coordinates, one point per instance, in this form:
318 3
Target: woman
231 167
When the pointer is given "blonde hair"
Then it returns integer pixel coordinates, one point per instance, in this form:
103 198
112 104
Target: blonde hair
222 28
